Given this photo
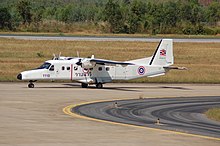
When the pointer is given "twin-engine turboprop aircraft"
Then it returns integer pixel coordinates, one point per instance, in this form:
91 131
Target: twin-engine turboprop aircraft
89 71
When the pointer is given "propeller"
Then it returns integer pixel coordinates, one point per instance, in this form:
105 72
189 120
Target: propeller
79 62
85 62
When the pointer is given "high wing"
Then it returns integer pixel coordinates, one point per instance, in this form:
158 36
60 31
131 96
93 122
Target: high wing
103 62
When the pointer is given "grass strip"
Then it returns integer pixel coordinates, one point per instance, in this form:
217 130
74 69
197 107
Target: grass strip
213 114
202 59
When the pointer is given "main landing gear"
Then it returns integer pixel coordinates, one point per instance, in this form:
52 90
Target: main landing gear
31 84
98 85
84 85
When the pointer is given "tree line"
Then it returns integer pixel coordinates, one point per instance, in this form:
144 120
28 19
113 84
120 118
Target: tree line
115 16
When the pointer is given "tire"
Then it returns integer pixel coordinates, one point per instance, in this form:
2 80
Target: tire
99 85
84 85
30 85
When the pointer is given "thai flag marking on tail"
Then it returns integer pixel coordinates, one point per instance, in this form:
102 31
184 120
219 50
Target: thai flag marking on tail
163 52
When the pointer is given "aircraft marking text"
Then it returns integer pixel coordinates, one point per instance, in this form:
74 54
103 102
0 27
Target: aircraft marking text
83 74
46 75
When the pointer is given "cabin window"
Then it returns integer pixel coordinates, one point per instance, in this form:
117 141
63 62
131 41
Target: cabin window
51 68
68 68
100 68
63 68
75 68
107 68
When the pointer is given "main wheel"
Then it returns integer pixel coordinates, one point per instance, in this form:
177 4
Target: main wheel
30 85
99 85
84 85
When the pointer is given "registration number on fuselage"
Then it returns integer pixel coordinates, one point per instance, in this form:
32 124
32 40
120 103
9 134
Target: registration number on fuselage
83 74
46 75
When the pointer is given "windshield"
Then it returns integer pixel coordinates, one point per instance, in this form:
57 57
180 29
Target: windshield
44 66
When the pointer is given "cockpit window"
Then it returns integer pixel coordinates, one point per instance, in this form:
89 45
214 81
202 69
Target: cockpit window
51 68
44 66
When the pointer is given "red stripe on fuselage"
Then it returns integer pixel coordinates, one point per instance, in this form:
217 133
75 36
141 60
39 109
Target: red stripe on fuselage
71 72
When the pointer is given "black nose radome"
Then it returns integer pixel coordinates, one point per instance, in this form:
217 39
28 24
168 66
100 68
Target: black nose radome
19 76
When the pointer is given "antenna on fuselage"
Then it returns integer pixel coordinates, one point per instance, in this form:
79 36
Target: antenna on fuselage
54 57
59 56
77 52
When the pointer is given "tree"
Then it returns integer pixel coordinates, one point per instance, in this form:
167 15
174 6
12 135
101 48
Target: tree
113 16
24 9
192 12
156 17
5 18
37 17
137 16
213 13
171 14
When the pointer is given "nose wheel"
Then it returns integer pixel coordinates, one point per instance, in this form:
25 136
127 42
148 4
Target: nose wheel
31 85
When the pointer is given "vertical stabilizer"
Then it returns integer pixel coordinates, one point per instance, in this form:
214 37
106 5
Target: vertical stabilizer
164 53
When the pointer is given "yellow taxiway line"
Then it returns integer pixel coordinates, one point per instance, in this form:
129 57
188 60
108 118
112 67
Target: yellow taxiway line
67 110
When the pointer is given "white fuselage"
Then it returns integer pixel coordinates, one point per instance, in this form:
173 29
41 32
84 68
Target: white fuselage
68 70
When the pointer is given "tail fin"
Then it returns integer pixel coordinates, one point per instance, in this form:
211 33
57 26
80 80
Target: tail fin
163 54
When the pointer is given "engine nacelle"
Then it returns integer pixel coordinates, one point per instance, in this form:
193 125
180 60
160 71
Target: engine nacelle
87 64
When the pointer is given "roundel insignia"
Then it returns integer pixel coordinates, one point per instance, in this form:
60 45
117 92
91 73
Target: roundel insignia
141 70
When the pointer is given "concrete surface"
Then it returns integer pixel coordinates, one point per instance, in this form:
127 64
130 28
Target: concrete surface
32 117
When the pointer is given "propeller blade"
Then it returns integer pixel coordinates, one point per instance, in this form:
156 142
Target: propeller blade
79 62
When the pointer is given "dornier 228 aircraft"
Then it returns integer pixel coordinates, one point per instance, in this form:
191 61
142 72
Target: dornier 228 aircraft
89 71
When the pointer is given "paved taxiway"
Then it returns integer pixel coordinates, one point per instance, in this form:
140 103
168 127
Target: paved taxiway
185 115
32 117
106 38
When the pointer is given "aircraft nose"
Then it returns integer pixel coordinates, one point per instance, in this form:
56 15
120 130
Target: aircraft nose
19 76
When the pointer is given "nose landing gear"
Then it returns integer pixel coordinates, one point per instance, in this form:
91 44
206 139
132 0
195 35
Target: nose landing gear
31 84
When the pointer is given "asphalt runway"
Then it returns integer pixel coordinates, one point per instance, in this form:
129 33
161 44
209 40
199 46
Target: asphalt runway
183 114
107 38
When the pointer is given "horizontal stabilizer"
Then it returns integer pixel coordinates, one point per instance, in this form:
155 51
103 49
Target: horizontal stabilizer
156 75
175 67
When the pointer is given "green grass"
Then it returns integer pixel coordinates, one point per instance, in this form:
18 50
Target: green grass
202 59
213 114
